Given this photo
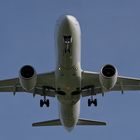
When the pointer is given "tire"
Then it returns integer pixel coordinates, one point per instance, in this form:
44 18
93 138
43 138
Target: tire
95 102
47 102
41 103
89 102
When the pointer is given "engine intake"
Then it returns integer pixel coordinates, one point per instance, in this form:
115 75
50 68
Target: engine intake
108 76
108 71
27 77
27 71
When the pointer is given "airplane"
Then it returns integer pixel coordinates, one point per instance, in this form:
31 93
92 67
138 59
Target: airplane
69 82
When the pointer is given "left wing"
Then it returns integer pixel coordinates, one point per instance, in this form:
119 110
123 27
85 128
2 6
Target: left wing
45 85
91 79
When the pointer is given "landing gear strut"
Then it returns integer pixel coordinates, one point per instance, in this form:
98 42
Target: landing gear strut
91 100
44 101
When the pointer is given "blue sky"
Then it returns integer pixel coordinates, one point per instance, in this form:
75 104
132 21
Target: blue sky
110 34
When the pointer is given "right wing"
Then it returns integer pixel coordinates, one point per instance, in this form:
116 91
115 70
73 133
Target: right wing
91 79
45 85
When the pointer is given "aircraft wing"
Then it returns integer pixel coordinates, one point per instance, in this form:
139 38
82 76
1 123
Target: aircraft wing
45 84
91 79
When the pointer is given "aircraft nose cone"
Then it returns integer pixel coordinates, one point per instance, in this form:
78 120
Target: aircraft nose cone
67 19
67 24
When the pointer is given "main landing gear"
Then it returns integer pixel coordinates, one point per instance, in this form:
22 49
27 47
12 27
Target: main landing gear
91 101
44 101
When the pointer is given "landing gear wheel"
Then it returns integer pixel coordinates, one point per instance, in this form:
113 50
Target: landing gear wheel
47 103
41 103
89 102
95 102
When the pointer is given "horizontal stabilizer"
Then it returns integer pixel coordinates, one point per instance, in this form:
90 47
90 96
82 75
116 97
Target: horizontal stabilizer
90 122
48 123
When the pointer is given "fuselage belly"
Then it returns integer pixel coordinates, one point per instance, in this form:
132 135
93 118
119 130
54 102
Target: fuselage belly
68 70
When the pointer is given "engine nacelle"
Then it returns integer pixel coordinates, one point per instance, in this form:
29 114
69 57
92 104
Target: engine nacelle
27 77
108 76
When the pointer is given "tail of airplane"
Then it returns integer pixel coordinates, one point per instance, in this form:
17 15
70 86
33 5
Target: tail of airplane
57 122
48 123
90 122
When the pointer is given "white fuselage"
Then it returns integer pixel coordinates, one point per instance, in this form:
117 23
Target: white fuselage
68 70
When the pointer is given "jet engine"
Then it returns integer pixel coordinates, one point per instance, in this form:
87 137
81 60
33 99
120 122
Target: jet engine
108 76
27 77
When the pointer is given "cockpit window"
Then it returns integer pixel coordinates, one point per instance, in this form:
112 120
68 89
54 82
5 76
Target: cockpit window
67 39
